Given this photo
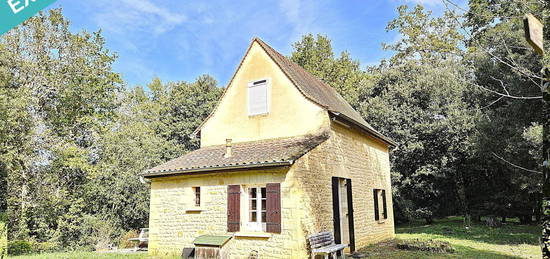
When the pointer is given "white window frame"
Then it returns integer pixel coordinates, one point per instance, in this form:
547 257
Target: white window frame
258 225
268 92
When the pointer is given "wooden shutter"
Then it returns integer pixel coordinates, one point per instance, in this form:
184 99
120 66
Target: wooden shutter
233 208
350 216
336 209
257 98
375 197
384 206
273 208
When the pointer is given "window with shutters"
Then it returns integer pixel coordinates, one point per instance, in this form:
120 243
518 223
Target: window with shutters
258 97
257 208
261 208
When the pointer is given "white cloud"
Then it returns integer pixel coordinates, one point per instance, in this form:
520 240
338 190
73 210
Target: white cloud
301 16
137 15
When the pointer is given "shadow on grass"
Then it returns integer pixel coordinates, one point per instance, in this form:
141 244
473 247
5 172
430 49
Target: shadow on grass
452 227
388 250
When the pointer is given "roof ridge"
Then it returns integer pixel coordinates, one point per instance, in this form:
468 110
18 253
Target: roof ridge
299 137
351 112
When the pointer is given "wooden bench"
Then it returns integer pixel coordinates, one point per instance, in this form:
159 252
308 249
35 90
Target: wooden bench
142 242
323 243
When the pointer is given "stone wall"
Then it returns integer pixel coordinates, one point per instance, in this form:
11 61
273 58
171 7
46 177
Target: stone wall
306 193
365 161
172 227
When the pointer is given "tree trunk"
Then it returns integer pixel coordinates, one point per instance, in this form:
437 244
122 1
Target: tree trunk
429 220
461 189
538 208
503 219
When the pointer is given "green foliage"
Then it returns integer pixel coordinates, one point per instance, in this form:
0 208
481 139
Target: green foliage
75 139
423 36
19 247
3 236
506 136
342 73
92 255
124 239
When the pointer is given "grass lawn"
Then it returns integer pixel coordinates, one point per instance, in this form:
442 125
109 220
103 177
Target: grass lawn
88 255
3 236
509 241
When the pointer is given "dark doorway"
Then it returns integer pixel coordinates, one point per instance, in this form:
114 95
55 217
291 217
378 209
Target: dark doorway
342 207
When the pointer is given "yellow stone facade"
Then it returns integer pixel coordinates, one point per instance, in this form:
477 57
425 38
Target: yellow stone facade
305 198
306 191
287 106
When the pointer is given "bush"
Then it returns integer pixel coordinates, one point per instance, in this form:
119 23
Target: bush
433 246
45 247
19 247
124 243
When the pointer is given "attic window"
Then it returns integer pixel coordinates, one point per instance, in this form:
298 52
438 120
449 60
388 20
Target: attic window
258 97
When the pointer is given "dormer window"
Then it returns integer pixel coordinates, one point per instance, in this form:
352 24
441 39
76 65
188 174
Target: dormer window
258 97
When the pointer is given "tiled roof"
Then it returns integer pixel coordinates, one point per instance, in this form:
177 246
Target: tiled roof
313 88
263 153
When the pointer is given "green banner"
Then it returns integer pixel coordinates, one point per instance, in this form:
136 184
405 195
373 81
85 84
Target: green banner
14 12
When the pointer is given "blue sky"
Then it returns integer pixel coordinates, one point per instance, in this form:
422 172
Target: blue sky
180 40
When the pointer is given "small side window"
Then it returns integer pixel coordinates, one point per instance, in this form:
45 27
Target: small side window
376 210
376 197
384 205
197 192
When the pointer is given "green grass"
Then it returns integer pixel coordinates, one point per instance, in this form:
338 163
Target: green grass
3 236
88 255
509 241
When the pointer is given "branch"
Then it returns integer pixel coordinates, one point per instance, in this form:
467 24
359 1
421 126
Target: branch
514 165
507 95
491 104
527 73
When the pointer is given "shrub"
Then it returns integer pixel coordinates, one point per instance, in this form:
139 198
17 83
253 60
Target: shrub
19 247
45 247
433 246
124 243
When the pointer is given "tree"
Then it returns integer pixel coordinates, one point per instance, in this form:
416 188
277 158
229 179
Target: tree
506 70
68 92
342 73
418 98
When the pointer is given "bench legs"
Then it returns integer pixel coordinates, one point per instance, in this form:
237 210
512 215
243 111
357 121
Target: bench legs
334 255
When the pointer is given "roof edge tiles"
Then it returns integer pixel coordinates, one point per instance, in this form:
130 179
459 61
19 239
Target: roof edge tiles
245 155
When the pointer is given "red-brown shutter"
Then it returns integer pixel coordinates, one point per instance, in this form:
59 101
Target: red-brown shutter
233 208
273 218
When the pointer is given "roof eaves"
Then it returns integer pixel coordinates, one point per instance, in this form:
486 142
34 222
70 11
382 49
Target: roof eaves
367 129
213 169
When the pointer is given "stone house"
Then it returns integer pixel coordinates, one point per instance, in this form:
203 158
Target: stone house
282 156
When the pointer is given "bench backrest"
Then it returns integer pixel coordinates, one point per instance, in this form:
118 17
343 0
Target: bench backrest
144 233
321 239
